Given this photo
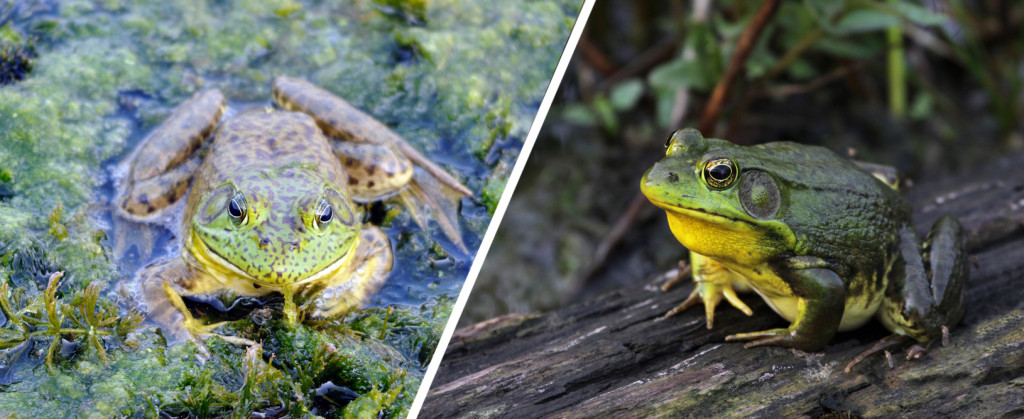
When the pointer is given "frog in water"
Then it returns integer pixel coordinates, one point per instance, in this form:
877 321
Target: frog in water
269 202
825 243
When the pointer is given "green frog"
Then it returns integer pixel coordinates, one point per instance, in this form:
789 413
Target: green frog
827 244
268 203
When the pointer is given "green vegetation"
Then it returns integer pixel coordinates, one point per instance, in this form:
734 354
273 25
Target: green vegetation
453 77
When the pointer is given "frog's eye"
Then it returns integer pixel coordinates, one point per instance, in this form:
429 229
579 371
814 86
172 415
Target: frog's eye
323 215
238 210
720 173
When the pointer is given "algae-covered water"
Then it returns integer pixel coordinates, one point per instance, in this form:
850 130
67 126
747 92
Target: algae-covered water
84 81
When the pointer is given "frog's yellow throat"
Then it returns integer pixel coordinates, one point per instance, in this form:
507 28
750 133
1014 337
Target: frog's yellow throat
227 274
718 237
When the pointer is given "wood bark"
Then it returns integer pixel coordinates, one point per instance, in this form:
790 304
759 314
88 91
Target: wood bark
616 357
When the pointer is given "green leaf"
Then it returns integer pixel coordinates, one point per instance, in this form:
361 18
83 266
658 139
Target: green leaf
676 74
604 110
860 49
918 14
580 114
865 20
625 95
922 106
825 10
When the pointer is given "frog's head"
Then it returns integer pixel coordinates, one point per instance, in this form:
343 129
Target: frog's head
276 226
717 206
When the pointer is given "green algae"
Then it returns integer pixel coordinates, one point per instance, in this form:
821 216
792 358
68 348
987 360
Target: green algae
456 79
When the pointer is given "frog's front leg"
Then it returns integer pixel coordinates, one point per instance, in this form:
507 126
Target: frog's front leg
370 267
821 297
162 286
711 282
925 296
425 185
162 167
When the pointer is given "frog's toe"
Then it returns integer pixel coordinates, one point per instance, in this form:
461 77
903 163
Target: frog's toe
776 337
735 300
879 346
691 301
916 351
199 332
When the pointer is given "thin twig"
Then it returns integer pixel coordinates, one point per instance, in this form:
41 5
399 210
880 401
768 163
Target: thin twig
743 48
797 89
596 58
642 63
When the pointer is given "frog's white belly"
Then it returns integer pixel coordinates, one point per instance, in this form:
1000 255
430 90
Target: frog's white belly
858 310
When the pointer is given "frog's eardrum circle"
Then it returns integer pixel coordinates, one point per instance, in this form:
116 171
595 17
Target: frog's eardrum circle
759 195
215 204
340 207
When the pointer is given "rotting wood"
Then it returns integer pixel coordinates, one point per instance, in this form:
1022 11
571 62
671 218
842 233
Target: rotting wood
615 357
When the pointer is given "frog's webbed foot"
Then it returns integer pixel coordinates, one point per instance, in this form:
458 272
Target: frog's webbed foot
198 332
425 195
711 293
915 351
712 282
374 174
162 167
167 309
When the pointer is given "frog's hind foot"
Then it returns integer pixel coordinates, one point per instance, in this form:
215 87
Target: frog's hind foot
915 351
425 196
882 345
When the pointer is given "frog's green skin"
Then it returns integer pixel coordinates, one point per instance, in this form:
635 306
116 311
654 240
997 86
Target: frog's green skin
825 243
282 174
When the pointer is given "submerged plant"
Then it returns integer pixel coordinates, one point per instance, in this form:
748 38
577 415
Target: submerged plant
87 320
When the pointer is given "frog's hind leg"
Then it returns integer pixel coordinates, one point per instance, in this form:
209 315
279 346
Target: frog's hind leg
887 174
372 263
926 287
429 187
162 167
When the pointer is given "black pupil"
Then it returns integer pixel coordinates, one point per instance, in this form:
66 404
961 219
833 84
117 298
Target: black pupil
326 214
720 172
234 209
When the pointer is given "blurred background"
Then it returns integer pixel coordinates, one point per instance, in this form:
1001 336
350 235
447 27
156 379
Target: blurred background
945 98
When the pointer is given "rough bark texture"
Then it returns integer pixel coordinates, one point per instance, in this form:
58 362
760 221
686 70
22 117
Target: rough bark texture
616 357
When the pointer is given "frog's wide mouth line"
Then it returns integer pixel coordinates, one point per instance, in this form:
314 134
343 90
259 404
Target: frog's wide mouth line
699 213
203 252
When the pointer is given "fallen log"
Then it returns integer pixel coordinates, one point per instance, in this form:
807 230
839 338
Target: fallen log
615 356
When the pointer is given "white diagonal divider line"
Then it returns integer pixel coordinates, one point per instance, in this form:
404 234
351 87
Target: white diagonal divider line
499 212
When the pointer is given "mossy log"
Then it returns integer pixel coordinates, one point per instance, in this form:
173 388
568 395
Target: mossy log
616 357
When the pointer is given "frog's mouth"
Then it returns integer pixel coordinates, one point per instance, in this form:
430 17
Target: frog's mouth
699 213
225 270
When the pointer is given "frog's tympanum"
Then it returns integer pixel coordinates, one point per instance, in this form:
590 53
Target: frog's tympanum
270 202
827 244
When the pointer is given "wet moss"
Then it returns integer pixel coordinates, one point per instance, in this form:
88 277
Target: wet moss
17 54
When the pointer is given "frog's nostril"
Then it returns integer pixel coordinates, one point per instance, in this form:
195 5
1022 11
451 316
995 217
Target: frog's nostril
264 243
673 177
